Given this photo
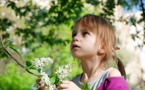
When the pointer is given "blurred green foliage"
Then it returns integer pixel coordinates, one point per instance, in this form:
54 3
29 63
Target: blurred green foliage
15 79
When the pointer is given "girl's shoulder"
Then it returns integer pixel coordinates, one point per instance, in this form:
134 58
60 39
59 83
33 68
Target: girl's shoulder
114 72
114 83
111 72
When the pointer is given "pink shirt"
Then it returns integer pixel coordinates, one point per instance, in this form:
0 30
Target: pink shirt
114 83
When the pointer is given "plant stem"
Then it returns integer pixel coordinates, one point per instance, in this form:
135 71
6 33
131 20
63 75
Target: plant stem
13 57
19 63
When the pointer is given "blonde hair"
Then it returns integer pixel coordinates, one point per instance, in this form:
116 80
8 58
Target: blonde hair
104 32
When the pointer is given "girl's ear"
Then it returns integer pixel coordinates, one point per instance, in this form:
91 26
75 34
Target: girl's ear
102 50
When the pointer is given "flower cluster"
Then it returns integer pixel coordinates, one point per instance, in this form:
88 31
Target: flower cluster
63 71
45 80
49 81
41 62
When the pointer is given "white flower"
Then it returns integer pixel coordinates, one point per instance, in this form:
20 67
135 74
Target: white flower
68 66
42 3
40 63
45 80
63 71
46 61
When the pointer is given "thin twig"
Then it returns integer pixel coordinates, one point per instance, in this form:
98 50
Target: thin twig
18 62
13 57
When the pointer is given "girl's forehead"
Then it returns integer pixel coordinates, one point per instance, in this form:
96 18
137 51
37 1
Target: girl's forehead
81 28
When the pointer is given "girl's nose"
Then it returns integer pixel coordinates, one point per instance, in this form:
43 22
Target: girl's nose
76 38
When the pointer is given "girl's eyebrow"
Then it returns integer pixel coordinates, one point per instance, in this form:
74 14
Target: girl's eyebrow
74 30
83 29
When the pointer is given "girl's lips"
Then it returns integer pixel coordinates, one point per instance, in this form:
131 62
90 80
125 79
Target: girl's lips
75 46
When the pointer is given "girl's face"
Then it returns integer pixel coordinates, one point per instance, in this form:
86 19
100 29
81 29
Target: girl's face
83 43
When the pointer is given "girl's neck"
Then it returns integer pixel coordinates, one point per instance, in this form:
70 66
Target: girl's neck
86 78
91 69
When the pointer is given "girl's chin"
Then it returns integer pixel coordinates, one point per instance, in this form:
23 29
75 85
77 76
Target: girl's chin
76 56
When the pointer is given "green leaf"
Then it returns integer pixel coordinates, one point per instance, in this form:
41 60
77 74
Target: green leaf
86 87
52 80
33 67
28 63
57 81
39 70
13 47
26 68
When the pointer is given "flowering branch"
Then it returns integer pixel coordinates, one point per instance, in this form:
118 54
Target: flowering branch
12 56
50 82
18 62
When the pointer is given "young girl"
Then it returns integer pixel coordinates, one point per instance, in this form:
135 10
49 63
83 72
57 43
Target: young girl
93 43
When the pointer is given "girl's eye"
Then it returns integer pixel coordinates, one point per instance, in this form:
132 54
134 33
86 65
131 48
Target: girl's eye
74 34
85 33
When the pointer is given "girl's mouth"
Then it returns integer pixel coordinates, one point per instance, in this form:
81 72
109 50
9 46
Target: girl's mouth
75 46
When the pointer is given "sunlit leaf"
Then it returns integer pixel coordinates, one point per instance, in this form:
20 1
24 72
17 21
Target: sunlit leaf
13 47
26 67
86 87
52 79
